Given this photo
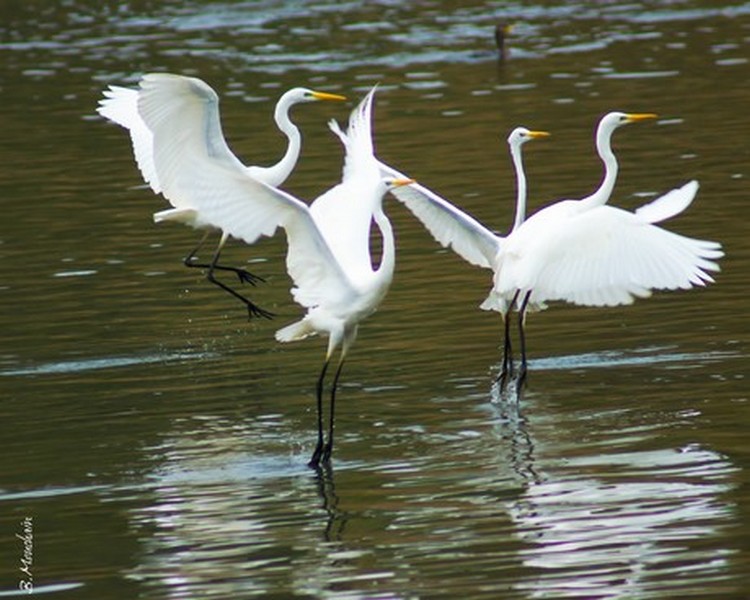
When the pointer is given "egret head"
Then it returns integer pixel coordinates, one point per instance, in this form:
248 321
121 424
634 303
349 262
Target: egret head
615 119
300 94
521 135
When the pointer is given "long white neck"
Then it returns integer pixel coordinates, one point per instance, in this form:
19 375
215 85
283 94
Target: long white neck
384 274
604 148
516 155
277 174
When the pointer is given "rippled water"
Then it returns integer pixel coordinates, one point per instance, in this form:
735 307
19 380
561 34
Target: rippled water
154 442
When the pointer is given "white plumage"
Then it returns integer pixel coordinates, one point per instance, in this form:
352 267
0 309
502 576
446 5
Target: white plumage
186 112
200 177
578 251
603 255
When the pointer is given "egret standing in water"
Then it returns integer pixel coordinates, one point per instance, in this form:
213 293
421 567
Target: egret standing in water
591 254
470 239
580 251
332 279
123 106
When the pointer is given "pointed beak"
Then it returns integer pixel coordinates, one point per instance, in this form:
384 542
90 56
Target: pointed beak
400 182
327 96
536 135
635 117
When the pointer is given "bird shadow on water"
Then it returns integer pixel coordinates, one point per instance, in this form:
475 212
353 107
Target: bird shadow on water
336 519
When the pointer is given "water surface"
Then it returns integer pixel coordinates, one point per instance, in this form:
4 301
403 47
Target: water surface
157 440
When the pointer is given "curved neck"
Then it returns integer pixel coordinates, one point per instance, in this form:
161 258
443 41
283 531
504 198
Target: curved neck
604 148
387 264
515 152
278 173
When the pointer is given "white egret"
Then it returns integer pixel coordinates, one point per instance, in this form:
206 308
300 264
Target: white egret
590 254
601 255
122 106
471 240
337 288
584 252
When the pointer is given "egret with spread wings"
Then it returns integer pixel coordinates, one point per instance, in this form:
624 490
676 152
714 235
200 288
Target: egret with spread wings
190 108
333 278
579 251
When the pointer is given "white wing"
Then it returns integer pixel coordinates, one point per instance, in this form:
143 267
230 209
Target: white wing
344 213
197 171
450 226
120 105
601 257
670 204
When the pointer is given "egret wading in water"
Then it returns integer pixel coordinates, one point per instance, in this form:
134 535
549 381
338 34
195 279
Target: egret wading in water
606 256
504 302
124 107
588 253
467 237
333 277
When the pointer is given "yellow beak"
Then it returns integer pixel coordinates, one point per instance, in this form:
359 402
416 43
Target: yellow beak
634 117
400 182
535 135
327 96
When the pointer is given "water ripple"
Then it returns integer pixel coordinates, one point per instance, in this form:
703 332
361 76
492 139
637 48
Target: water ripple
94 364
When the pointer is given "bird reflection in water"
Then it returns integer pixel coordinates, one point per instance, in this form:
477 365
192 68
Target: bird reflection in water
336 519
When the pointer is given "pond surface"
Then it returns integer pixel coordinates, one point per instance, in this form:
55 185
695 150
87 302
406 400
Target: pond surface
154 442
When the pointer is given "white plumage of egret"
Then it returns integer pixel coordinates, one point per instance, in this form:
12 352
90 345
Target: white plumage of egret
579 251
327 259
191 109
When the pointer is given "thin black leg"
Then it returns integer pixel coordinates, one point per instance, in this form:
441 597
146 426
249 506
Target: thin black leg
522 337
329 444
315 459
243 275
253 310
507 368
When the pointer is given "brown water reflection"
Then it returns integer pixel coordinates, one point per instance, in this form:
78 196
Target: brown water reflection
158 440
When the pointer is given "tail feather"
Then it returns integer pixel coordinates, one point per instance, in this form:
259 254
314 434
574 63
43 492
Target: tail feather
296 331
357 139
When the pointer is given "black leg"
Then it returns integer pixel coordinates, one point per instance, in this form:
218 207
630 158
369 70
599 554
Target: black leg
507 368
522 337
253 309
242 274
315 459
329 444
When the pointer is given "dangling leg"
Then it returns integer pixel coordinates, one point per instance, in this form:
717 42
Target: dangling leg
253 310
315 459
243 275
329 444
507 368
522 337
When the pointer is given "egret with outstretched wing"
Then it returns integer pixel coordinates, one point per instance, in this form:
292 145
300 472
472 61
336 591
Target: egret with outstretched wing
189 107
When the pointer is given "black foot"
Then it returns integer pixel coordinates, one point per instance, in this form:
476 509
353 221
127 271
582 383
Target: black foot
327 450
321 455
503 379
243 275
521 379
247 277
255 311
